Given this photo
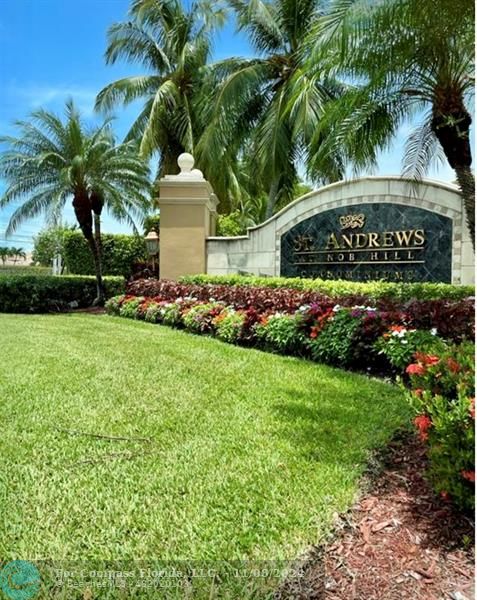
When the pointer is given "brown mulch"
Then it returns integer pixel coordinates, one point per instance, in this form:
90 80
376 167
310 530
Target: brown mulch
92 310
399 542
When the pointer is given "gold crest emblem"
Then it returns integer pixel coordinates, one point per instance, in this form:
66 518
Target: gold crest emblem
352 221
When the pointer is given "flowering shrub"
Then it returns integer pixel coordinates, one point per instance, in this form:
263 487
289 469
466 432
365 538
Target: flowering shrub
279 332
400 343
113 304
229 325
200 317
171 313
153 313
442 397
334 344
453 319
130 307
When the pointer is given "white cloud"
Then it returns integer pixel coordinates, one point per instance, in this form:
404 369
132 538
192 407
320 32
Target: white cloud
53 96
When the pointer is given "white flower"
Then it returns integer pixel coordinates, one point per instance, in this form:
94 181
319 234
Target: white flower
336 308
434 331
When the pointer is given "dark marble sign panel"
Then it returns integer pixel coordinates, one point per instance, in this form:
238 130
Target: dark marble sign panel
370 241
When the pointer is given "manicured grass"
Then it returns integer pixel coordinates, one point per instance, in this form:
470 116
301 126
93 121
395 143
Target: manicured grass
249 453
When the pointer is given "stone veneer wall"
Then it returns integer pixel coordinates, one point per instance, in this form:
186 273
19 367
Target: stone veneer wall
258 252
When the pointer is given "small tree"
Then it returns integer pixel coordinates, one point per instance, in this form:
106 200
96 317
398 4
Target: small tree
53 160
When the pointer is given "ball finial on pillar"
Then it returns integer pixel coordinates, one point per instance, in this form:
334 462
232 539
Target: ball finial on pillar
185 162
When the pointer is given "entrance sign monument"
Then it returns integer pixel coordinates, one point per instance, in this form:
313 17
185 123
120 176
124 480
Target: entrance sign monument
365 229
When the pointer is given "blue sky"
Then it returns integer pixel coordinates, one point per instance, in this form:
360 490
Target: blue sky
54 49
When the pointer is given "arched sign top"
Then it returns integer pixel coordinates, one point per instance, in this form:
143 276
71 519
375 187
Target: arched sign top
366 228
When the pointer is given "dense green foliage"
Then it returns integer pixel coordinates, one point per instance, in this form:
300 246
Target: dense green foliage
120 253
427 73
336 288
47 245
43 293
250 465
269 106
231 225
173 43
24 270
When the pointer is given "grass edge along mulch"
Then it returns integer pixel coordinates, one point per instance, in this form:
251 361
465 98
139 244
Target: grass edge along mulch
399 540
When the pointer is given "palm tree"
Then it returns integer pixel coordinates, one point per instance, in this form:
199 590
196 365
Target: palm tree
16 254
4 254
271 103
173 44
52 161
408 58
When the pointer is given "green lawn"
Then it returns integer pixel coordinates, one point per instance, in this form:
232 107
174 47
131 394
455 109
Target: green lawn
247 454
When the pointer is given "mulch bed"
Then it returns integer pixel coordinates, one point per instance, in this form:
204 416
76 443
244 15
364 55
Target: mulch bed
93 310
399 542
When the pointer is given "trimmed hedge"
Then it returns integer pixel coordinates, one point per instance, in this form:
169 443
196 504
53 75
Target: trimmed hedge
453 319
120 253
43 293
338 288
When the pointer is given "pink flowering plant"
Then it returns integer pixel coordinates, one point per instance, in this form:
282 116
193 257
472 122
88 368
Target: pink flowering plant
441 394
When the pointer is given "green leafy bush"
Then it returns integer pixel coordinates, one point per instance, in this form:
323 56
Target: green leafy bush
334 344
153 313
120 253
337 288
47 244
230 225
43 293
442 396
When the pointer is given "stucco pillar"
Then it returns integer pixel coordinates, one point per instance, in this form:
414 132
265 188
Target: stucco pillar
188 208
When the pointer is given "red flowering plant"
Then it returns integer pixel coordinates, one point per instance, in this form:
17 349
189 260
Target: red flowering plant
442 396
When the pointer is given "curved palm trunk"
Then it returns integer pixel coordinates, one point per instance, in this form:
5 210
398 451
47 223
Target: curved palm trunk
84 215
451 124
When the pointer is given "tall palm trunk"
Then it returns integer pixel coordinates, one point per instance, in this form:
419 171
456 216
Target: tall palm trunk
272 198
84 215
466 181
451 125
97 203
